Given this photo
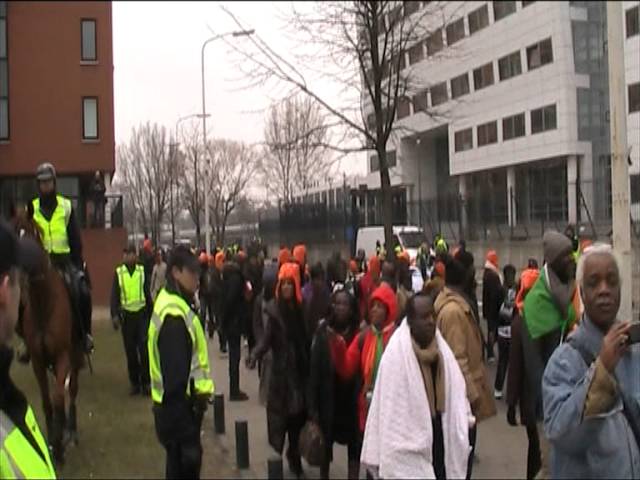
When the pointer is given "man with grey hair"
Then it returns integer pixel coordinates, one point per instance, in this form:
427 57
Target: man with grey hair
591 386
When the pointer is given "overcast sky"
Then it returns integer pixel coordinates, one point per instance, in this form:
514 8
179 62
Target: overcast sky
157 66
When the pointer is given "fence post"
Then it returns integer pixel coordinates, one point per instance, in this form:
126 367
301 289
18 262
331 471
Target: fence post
242 444
218 413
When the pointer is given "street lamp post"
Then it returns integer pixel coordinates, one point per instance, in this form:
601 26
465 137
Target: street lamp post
238 33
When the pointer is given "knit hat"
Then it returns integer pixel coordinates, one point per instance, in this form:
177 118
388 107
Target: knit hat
219 260
492 257
300 254
284 256
291 271
374 265
555 245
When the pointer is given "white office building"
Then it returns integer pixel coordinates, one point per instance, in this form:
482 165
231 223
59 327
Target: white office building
521 136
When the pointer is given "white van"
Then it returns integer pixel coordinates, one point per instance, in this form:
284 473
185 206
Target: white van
409 237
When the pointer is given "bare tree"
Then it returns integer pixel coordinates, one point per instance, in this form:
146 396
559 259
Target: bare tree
234 165
362 47
144 164
192 178
296 154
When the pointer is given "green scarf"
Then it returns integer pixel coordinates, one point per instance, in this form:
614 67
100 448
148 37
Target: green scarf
541 314
378 354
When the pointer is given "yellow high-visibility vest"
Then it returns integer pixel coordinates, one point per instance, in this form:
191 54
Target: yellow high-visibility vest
131 288
54 231
18 458
174 305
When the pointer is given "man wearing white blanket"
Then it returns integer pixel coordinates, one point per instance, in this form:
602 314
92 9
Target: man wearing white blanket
419 418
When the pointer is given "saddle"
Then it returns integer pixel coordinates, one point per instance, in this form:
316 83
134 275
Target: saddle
79 290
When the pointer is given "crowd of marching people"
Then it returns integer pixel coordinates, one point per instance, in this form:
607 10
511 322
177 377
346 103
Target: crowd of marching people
334 345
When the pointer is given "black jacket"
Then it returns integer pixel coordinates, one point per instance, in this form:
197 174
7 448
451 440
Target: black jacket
492 296
115 294
175 418
73 234
234 308
332 402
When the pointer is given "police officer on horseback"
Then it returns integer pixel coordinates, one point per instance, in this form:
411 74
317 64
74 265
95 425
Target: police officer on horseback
54 215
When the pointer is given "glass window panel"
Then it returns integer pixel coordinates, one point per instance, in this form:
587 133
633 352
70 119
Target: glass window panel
88 39
460 86
536 120
4 78
3 38
416 53
439 94
420 102
403 107
550 117
463 140
4 118
483 76
509 66
632 20
455 31
411 7
435 42
503 8
634 97
90 118
478 19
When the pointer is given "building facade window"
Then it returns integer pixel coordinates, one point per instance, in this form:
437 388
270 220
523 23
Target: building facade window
455 31
502 9
513 127
543 119
88 40
419 101
487 133
539 54
463 140
634 97
403 107
478 19
410 7
526 4
439 94
90 118
4 74
509 66
416 53
632 20
435 42
483 76
374 164
460 85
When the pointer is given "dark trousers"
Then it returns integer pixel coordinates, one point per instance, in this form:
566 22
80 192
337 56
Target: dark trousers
234 342
473 431
534 461
184 459
134 334
504 345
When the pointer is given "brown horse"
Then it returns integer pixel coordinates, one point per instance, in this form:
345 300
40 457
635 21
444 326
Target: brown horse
47 328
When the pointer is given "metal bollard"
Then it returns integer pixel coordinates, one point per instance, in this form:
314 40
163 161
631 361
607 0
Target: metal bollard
274 468
242 444
218 413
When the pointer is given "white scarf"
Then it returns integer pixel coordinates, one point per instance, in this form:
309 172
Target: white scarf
398 438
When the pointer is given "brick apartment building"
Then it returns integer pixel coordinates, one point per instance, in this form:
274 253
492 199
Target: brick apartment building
56 105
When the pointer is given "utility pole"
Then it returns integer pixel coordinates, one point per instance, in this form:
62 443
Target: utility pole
619 168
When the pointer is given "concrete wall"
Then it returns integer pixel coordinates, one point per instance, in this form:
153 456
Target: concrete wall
102 251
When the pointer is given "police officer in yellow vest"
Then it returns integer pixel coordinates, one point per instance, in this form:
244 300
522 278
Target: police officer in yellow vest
23 449
181 384
61 239
130 308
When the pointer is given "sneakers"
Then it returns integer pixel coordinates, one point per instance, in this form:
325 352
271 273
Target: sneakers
497 394
238 396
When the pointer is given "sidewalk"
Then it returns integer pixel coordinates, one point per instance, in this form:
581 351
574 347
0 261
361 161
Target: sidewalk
501 451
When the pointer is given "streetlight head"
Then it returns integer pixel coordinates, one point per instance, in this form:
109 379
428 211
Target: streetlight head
243 33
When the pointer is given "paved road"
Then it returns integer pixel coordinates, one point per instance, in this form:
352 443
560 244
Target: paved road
501 449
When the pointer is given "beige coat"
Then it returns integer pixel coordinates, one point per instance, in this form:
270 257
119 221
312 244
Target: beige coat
461 331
